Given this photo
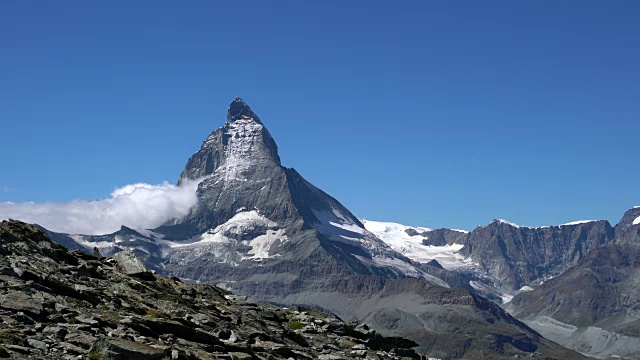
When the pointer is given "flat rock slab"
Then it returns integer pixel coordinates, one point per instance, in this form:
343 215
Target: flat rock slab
121 349
20 301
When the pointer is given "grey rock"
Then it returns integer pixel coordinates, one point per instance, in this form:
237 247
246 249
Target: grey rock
130 263
72 348
595 305
89 320
627 220
20 301
518 256
55 332
331 357
121 349
80 339
240 356
38 344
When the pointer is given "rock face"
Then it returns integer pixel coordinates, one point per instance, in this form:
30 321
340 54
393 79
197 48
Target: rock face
60 305
600 297
502 257
262 230
517 256
626 229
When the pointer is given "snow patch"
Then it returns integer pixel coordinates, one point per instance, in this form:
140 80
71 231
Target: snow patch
261 245
339 227
462 231
507 222
492 290
244 139
242 222
506 298
334 222
396 236
578 222
228 242
636 221
91 244
404 267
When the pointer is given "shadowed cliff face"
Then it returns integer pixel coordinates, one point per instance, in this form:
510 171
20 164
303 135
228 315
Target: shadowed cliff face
600 297
518 256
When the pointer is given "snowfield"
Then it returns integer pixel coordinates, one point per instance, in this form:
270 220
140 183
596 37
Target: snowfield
397 237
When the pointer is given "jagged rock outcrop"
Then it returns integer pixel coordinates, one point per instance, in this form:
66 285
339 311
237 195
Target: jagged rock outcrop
56 304
441 237
517 256
626 231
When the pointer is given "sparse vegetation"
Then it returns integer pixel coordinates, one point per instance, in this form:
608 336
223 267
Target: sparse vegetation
155 313
9 338
96 355
296 325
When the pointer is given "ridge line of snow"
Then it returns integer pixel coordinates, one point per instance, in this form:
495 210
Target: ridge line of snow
507 222
577 222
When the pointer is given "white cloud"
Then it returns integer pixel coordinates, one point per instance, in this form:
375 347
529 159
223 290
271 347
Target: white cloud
140 206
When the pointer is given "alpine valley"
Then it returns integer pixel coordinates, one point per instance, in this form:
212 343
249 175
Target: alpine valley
261 230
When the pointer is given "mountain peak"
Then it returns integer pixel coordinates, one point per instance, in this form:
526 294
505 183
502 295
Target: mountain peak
238 109
631 217
503 221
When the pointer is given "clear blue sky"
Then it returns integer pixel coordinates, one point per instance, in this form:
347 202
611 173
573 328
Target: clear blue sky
442 114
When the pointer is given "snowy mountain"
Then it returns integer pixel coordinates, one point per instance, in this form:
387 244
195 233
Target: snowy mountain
261 229
412 242
502 258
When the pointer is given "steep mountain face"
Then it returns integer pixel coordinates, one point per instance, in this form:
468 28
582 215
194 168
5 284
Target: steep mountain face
56 304
625 228
501 258
260 229
593 307
522 256
252 209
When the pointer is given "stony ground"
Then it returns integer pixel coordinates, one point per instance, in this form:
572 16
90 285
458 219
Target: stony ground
56 304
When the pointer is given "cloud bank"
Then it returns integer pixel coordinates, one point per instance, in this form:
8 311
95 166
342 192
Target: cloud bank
139 206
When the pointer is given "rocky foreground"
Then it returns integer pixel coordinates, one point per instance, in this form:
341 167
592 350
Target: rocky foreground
56 304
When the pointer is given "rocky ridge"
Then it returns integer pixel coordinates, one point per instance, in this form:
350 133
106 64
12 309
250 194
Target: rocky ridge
56 304
518 256
594 307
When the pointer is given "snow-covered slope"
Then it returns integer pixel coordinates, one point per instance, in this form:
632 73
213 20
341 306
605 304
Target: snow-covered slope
408 240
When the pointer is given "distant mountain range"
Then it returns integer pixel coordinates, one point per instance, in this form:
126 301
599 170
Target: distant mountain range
260 229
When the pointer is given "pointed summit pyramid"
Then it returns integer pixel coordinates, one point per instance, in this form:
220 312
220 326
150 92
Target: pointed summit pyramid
240 110
242 145
242 177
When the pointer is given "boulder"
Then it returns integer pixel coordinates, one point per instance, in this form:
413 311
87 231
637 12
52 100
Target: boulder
121 349
131 265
